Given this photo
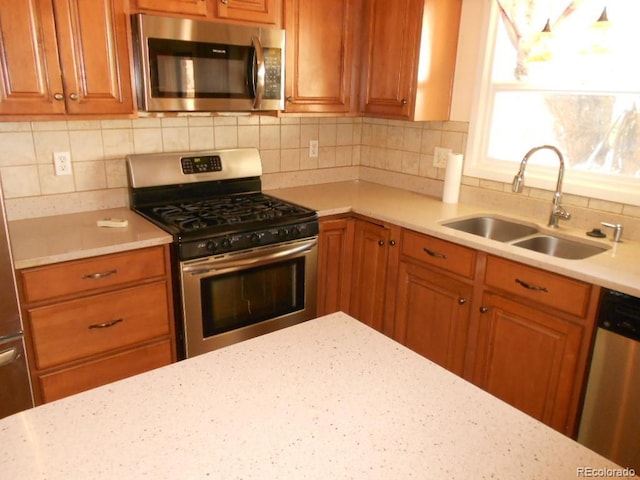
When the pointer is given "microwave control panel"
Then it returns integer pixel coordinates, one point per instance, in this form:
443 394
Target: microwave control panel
272 73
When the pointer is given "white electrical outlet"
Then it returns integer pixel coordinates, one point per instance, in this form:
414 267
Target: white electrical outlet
62 163
440 156
313 148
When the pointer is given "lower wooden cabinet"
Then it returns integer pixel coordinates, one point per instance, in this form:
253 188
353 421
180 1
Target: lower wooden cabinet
432 315
335 252
105 318
521 333
530 359
83 376
373 269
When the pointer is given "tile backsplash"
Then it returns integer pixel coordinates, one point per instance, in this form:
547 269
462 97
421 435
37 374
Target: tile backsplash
390 152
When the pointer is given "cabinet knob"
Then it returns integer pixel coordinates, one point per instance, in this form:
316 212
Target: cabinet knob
404 101
224 2
73 96
392 243
290 99
58 96
462 301
381 243
484 309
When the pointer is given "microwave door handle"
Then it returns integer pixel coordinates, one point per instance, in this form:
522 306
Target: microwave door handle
258 72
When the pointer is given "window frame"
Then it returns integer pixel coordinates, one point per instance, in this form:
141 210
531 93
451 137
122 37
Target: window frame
624 190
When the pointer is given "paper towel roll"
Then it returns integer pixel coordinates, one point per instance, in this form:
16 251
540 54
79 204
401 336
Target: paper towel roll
452 178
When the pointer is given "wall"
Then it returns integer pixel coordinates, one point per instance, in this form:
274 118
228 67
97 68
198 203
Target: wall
390 152
98 150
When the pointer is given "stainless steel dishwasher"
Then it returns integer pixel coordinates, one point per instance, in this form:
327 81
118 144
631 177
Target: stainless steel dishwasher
610 423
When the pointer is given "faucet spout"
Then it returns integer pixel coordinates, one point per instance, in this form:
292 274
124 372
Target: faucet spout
557 211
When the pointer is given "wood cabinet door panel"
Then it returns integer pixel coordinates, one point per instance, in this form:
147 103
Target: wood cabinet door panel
29 68
255 11
80 378
335 251
69 331
92 38
529 359
196 8
369 273
86 275
432 315
390 56
320 47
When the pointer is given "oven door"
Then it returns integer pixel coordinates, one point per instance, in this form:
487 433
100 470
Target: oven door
238 296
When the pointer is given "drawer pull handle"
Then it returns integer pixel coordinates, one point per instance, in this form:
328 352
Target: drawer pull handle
431 253
94 276
106 324
531 287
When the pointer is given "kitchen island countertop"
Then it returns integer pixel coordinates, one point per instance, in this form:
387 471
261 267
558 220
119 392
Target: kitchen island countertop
326 399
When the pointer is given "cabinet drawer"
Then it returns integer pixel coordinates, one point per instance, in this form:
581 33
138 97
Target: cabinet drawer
105 370
43 283
76 329
439 253
562 293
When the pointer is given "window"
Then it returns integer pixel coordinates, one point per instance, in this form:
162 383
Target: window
576 86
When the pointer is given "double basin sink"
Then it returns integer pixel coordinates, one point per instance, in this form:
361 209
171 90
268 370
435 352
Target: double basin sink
525 236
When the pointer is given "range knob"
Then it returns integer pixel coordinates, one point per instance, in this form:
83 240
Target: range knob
211 246
282 233
295 232
226 243
254 238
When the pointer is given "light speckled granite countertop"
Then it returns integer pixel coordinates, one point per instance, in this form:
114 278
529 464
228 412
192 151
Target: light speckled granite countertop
45 240
618 268
326 399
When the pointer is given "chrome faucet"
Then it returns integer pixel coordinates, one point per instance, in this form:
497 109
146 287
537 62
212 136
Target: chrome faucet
557 211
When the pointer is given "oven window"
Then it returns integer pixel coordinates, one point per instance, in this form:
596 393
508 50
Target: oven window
182 69
250 296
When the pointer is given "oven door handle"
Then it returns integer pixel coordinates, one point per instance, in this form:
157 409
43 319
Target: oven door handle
257 260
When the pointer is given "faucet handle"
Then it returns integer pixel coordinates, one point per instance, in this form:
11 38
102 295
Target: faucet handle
617 230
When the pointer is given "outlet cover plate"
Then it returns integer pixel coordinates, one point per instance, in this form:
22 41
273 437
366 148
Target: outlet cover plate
440 156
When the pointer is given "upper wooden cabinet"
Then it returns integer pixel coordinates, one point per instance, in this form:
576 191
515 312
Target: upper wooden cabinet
64 57
409 58
267 12
322 42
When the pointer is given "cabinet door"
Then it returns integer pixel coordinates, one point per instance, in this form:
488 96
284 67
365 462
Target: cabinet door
92 39
335 250
30 79
196 8
369 273
321 40
529 359
256 11
390 56
432 315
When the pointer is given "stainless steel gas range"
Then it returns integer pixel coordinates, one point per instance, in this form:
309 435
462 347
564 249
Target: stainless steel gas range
246 261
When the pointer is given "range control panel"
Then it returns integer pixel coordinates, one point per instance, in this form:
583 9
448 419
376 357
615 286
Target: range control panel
201 164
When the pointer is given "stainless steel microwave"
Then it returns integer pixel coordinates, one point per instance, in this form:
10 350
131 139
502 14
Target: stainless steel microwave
190 65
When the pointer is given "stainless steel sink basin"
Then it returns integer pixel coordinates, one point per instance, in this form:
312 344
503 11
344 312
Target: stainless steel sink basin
560 247
494 228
